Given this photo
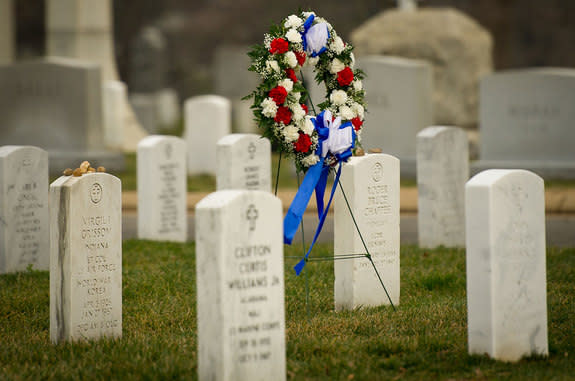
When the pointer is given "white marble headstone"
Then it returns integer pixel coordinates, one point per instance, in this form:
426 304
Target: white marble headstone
162 189
243 162
85 257
399 94
24 229
371 185
114 93
207 119
240 286
442 171
506 281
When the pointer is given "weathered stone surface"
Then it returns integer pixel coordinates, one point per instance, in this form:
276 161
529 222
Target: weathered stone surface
527 121
240 286
24 226
85 257
506 276
162 187
371 186
243 162
442 171
457 46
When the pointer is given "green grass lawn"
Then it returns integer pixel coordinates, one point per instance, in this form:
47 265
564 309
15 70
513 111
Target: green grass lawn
425 338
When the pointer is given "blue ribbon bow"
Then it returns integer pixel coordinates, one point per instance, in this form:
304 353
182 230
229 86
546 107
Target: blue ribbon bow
308 23
316 179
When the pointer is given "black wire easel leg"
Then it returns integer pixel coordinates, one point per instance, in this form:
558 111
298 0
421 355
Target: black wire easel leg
367 255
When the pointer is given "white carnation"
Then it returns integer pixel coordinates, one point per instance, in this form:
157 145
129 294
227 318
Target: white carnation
358 110
296 96
291 59
310 160
293 36
312 61
272 65
337 45
269 107
298 112
346 113
308 126
290 133
338 97
357 85
336 66
293 22
286 84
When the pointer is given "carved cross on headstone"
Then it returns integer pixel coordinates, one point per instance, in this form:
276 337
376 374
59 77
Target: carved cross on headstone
407 5
252 150
252 216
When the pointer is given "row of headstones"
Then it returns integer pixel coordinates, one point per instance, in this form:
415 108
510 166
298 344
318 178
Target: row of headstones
505 217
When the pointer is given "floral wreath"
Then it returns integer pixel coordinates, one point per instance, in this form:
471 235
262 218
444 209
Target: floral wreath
280 100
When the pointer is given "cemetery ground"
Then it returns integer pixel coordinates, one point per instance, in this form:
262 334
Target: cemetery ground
425 338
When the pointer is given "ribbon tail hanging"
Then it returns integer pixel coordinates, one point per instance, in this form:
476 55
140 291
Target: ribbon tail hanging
301 264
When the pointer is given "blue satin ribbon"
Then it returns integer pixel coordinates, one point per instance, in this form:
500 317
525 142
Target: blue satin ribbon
315 179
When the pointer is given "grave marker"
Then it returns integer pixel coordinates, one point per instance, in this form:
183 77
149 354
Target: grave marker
207 120
399 93
442 171
114 93
162 189
526 121
56 104
85 257
371 185
240 286
243 162
506 281
24 234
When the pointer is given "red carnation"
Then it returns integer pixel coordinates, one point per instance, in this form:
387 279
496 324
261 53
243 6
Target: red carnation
278 46
300 57
278 94
303 143
357 123
283 115
345 76
305 108
291 75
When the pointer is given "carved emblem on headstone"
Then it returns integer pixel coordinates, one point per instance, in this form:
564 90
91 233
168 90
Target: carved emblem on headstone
96 193
377 172
252 216
252 150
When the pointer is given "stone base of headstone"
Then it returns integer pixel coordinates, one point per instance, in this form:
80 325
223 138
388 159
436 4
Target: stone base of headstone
548 170
112 161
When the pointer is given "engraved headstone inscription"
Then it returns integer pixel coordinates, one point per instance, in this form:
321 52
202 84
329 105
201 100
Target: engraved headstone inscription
24 229
207 119
399 93
162 180
240 286
442 171
85 257
506 281
243 162
371 186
